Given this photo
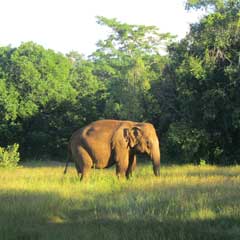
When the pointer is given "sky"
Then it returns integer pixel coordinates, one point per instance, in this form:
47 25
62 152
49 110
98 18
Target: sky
70 25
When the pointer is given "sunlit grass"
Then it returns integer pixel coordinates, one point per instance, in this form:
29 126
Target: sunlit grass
186 202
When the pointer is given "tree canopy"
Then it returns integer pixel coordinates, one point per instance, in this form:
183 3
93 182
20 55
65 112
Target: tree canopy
188 89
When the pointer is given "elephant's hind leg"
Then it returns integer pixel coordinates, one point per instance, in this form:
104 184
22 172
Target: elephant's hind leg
85 162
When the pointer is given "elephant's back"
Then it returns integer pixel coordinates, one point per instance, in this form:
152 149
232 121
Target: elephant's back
101 130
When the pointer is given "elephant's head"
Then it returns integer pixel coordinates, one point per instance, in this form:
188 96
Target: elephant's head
143 139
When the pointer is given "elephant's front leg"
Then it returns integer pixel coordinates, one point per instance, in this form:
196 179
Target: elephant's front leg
122 163
131 165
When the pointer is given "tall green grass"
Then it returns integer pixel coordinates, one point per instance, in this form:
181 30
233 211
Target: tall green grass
186 202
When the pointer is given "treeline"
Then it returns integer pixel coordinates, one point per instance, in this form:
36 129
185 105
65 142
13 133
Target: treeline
191 94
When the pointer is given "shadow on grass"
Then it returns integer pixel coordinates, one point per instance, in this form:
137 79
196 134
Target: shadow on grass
29 215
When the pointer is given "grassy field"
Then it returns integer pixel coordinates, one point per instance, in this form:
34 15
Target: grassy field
186 202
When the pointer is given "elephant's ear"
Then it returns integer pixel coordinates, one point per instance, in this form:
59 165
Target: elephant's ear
120 138
120 147
134 136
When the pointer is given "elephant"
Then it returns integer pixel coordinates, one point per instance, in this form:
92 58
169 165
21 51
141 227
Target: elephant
104 143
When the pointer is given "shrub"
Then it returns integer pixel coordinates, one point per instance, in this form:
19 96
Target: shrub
202 162
9 156
188 143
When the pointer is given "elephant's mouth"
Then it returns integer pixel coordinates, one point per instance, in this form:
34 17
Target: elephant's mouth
138 149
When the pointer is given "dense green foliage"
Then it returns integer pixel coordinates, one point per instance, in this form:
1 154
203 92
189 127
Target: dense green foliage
204 70
191 94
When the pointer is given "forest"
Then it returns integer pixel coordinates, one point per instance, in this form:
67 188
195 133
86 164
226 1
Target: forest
189 89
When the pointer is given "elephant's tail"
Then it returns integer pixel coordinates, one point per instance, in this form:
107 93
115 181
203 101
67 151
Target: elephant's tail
68 158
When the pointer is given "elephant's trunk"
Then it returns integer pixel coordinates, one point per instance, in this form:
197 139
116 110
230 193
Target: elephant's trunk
155 156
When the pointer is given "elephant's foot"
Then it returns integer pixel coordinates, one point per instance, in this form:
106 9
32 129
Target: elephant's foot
85 174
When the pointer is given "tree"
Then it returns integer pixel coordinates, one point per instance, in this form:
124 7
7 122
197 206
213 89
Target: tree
124 62
34 83
206 71
91 91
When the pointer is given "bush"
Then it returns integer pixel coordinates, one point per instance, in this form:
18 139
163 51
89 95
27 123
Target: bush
9 156
187 143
